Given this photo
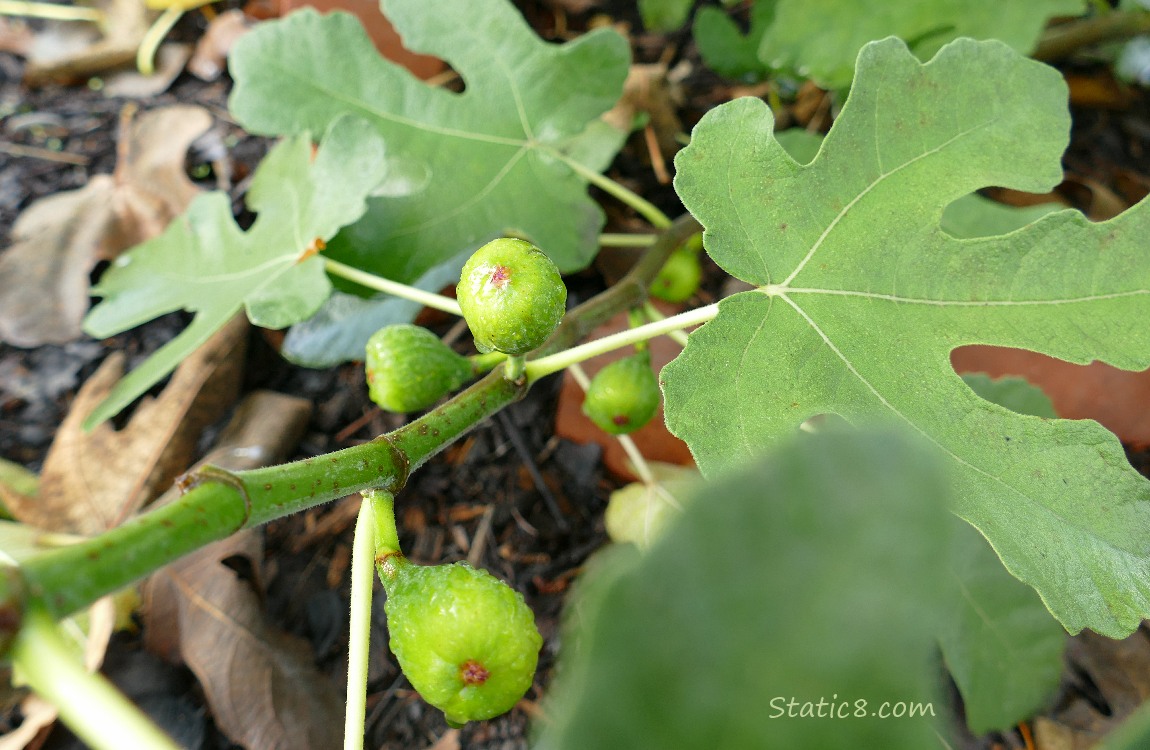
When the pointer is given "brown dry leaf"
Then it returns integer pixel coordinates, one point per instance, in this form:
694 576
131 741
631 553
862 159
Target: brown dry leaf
210 58
648 90
94 481
449 741
171 58
15 36
1115 680
1118 399
68 52
262 683
57 240
653 440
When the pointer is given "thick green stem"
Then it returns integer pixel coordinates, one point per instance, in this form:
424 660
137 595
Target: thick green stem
216 503
91 706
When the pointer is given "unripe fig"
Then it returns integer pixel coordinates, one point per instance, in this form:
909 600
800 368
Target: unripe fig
624 395
466 640
512 296
679 277
409 368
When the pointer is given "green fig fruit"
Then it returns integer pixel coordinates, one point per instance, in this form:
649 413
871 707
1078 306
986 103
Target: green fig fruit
512 296
466 640
624 395
409 368
679 277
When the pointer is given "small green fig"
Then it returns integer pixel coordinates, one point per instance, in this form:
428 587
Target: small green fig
409 368
624 395
466 640
679 277
512 296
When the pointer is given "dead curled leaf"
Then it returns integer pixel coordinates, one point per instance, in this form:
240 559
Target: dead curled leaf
59 239
93 481
67 52
262 684
1109 681
210 57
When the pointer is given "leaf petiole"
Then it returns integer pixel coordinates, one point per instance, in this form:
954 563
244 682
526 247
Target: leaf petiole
652 312
544 366
616 239
359 630
89 704
404 291
51 11
642 206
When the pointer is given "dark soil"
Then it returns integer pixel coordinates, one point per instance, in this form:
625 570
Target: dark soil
538 499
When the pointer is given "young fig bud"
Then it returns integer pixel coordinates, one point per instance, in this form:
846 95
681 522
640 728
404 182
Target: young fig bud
512 296
679 277
466 640
624 395
409 368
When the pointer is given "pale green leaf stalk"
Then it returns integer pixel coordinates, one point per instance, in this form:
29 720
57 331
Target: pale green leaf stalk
860 296
359 624
89 704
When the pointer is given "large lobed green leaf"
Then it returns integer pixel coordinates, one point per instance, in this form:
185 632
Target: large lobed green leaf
205 264
1000 644
493 159
819 39
861 297
817 575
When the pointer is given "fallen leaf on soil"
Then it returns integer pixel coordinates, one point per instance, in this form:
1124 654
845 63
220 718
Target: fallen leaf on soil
449 741
653 440
1117 399
210 58
67 52
1116 680
94 481
648 91
15 36
132 84
57 240
261 682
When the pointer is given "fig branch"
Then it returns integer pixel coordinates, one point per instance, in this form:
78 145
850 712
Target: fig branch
216 503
